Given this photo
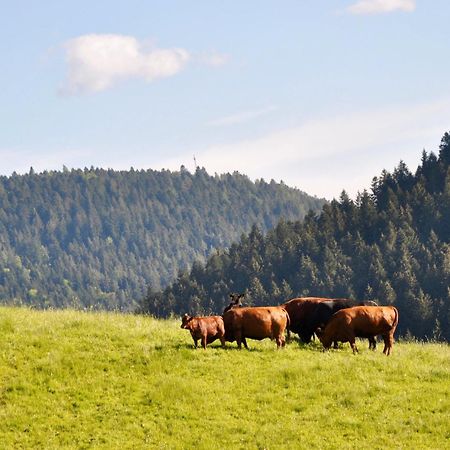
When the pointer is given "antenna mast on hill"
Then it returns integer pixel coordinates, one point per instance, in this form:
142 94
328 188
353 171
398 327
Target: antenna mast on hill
195 164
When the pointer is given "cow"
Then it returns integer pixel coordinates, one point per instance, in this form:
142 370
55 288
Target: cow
254 322
235 302
300 311
309 313
207 329
361 321
323 311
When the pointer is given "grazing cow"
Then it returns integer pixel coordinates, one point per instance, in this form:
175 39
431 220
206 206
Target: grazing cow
323 312
309 313
361 321
254 322
207 329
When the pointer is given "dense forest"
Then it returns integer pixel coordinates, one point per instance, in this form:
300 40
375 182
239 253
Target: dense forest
97 238
391 245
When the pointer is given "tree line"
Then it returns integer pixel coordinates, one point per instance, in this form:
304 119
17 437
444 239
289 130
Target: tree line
390 245
96 238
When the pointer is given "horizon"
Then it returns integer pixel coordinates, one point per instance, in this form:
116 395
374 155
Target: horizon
193 170
323 96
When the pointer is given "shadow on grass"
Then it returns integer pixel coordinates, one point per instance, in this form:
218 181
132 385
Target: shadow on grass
296 344
313 346
187 346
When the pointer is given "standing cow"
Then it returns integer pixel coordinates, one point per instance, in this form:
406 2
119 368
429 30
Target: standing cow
207 329
254 322
361 321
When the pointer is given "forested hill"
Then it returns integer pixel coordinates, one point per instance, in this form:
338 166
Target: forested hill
391 245
98 238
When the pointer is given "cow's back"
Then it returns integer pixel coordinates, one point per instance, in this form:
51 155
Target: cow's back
364 321
212 326
255 322
373 320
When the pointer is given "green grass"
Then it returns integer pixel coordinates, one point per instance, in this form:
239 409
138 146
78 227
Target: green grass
99 380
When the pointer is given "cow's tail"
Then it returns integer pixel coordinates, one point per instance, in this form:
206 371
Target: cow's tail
395 323
288 325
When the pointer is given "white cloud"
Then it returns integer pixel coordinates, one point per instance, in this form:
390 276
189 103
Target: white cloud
98 61
213 59
241 117
381 6
326 155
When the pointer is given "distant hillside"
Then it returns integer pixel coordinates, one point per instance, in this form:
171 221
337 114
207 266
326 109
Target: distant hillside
391 245
98 238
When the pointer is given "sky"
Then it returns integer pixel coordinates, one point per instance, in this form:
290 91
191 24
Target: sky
321 94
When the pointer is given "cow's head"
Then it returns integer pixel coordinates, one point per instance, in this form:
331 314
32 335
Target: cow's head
319 331
235 302
305 336
185 321
323 338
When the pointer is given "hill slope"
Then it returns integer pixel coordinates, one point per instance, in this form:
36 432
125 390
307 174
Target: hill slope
102 380
98 237
392 245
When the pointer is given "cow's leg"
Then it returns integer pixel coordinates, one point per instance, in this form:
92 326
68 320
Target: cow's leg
391 342
351 338
372 343
204 341
280 341
288 335
335 345
195 342
238 336
244 342
222 341
388 342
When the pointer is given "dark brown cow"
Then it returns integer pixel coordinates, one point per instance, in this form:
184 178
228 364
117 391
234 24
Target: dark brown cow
254 323
361 321
235 302
207 329
300 310
309 313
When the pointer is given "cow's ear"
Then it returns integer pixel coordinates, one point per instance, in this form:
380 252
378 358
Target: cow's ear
231 296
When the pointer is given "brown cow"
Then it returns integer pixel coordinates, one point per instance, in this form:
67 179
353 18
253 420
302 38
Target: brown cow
254 323
361 321
207 329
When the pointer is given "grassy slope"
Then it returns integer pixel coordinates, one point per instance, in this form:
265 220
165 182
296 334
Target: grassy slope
79 380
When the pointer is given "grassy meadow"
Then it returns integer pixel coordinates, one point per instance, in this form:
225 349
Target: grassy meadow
103 380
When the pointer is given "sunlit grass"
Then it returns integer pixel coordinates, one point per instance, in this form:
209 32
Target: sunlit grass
102 380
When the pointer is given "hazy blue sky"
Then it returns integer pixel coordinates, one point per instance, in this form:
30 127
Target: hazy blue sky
322 94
